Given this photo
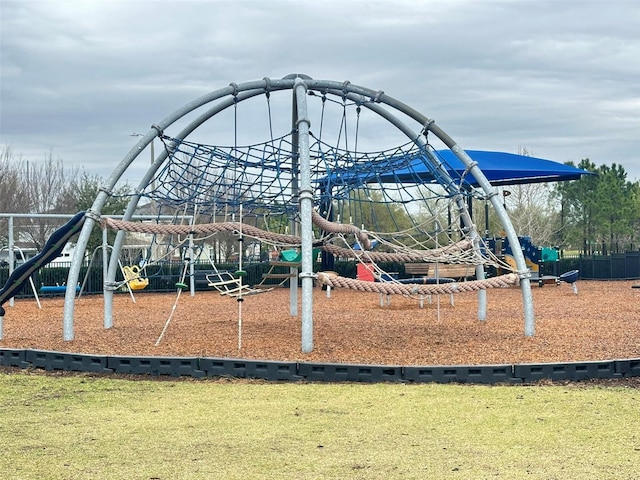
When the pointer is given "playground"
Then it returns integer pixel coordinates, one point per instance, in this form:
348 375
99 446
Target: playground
324 186
599 323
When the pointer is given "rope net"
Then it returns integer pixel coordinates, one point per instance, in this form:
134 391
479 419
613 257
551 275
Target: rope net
398 204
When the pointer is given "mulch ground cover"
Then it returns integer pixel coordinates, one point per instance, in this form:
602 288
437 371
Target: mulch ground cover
601 322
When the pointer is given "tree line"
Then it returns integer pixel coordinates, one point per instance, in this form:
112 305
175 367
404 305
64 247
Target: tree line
46 187
596 214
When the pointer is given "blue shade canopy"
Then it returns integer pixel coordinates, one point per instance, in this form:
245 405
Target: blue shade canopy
500 169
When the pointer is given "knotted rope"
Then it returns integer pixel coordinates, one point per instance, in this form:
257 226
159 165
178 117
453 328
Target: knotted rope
448 254
210 228
200 229
341 228
408 289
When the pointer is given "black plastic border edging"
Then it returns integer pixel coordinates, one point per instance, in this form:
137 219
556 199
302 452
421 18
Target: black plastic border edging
200 367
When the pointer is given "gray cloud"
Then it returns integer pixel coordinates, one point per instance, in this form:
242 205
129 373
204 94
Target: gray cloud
559 78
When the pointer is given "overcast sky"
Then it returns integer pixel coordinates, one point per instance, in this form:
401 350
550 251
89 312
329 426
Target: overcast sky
558 78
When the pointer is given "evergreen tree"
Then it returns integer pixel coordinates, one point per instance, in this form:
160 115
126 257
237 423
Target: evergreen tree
616 208
599 212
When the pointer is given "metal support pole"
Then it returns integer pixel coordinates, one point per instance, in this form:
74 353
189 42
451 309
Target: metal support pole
521 264
11 254
306 208
108 319
192 279
295 192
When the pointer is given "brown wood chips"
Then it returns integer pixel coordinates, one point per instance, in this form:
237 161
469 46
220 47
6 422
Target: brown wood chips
601 322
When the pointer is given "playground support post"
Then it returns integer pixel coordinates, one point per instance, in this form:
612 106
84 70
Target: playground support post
11 254
306 207
295 192
521 264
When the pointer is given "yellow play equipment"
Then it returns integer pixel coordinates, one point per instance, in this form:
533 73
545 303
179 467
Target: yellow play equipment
133 278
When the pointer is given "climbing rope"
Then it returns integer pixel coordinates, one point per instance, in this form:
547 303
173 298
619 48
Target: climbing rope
449 253
409 289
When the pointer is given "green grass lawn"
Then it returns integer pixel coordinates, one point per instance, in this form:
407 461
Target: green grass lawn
83 427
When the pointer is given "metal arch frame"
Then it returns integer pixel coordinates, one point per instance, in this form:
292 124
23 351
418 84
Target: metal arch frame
450 186
130 210
299 84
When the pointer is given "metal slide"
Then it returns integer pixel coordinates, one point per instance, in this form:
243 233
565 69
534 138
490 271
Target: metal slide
50 251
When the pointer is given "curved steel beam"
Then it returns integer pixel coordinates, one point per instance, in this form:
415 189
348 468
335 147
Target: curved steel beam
265 85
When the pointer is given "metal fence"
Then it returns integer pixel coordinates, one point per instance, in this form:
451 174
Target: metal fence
616 266
164 277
